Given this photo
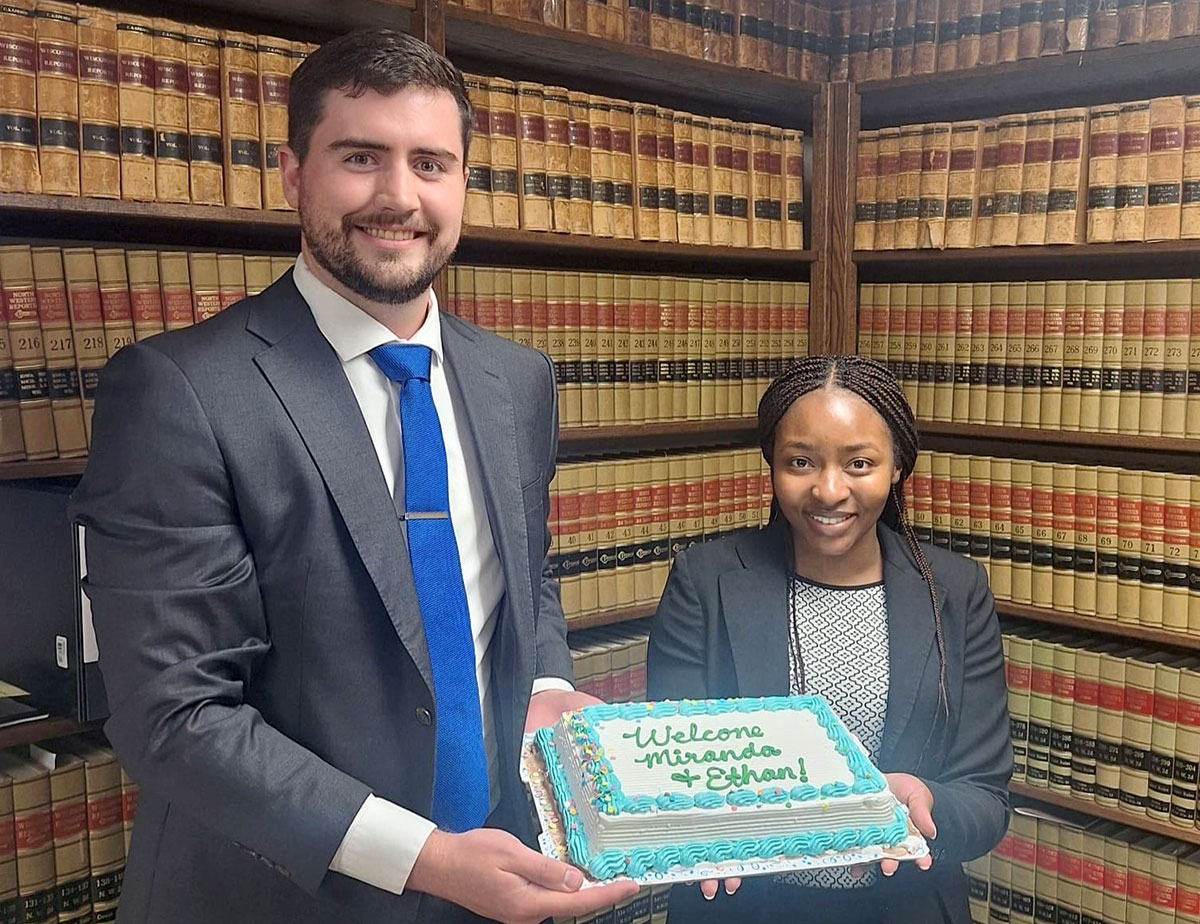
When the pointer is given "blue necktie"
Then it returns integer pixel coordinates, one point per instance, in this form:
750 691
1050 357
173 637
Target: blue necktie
460 780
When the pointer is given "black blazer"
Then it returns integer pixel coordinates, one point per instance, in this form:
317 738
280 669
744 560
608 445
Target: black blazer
261 643
721 630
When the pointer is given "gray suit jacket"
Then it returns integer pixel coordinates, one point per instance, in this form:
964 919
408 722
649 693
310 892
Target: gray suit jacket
260 638
721 630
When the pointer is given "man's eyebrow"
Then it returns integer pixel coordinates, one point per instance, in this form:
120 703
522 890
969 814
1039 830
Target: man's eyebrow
442 153
358 144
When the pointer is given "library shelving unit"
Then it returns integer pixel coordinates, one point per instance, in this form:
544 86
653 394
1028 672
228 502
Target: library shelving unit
1109 75
485 44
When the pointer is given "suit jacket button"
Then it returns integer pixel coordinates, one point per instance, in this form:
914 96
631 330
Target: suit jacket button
423 716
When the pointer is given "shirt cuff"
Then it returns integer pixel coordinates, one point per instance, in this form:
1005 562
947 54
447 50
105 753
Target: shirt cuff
382 844
542 684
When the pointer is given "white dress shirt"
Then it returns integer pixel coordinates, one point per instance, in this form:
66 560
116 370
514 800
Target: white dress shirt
384 839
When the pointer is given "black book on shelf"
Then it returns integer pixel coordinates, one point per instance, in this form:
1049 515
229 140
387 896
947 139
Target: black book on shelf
16 708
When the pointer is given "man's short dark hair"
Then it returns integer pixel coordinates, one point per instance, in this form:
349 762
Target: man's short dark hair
382 60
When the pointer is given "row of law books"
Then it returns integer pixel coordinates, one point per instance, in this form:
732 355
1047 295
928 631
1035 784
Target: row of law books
610 662
118 106
640 349
66 817
1112 173
544 158
898 38
67 310
1117 544
1116 356
1063 866
617 524
789 38
1105 722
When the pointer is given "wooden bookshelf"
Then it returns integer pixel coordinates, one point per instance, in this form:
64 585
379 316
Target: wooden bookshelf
317 17
1085 78
624 70
1176 638
572 442
610 617
1053 261
1190 835
13 736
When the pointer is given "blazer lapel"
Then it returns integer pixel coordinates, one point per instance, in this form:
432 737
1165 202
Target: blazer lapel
484 400
754 606
911 638
306 374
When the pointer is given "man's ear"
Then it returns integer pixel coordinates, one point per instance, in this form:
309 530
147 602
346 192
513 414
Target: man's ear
289 171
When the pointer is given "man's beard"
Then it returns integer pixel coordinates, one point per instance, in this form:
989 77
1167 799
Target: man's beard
332 247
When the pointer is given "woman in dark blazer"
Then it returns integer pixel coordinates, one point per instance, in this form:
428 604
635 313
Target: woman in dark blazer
837 597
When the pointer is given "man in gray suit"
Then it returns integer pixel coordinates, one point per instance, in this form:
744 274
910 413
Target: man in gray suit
316 536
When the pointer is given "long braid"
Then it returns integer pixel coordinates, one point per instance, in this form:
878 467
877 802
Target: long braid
872 382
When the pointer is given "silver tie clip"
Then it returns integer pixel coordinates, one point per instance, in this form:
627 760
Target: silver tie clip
430 515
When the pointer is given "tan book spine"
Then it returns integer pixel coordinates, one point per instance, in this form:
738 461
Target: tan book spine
1042 529
1022 531
887 187
1153 551
588 548
626 532
34 833
1131 22
99 114
1001 515
1010 159
1129 542
740 134
1175 357
1078 15
231 279
539 314
684 154
135 76
1091 375
1026 881
640 359
1054 28
960 504
724 384
1133 149
1153 361
606 329
606 533
711 496
763 344
478 208
206 286
87 324
621 121
589 344
1108 541
10 902
897 308
12 440
1067 177
701 181
668 225
1176 526
1073 321
145 295
206 169
964 316
1132 355
1190 207
792 179
531 156
979 511
908 188
1062 705
985 211
866 181
66 402
1187 750
68 806
1111 357
1041 691
939 499
1103 147
646 173
998 321
556 110
1162 740
1084 717
1070 869
1193 559
1110 728
171 145
116 305
760 205
1185 18
859 41
927 352
934 185
275 66
1164 167
694 347
920 497
1192 402
176 285
1104 30
1141 886
28 352
707 398
57 36
1084 547
1000 899
569 539
502 145
1063 538
1010 36
981 322
1136 730
1164 861
911 380
1029 29
1035 178
1092 903
962 184
19 171
944 352
572 402
280 266
970 26
660 315
676 292
240 120
1014 360
1035 335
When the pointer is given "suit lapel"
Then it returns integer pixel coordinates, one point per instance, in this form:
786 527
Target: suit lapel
911 638
754 606
307 376
482 397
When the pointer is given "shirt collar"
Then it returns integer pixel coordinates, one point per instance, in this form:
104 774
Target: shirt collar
350 330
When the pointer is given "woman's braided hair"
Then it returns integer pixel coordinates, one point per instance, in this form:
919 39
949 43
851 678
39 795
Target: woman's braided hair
872 382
